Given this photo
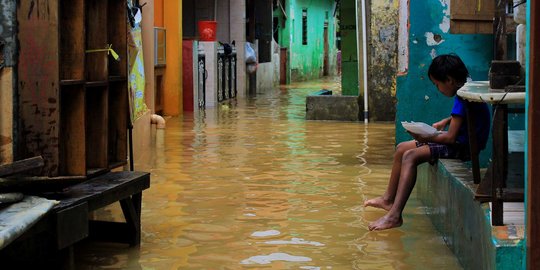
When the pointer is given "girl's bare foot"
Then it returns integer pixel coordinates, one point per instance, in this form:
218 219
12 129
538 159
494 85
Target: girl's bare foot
379 202
385 222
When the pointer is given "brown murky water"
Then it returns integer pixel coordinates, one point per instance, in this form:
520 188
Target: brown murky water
252 185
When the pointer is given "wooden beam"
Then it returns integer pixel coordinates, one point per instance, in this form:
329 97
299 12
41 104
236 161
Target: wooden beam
21 166
533 181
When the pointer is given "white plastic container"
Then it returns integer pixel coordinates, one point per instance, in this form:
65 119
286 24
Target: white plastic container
520 12
521 42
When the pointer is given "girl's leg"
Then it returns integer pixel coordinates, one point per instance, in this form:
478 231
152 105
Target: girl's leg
387 199
407 179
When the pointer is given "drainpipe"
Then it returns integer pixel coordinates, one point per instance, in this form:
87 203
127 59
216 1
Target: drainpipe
364 56
158 121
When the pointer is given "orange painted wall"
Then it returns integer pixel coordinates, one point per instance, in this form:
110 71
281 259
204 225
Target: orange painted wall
172 18
158 13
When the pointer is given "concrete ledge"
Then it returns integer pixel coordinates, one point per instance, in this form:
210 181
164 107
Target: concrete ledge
327 107
447 191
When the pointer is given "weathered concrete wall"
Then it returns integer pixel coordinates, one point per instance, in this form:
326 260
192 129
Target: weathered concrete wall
268 73
382 59
8 48
447 191
382 26
428 36
342 108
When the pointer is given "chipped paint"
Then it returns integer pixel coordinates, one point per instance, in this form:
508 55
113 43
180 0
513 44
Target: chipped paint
475 50
431 39
445 23
403 37
433 53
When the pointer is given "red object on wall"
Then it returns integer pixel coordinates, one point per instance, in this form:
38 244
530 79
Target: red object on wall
187 78
207 30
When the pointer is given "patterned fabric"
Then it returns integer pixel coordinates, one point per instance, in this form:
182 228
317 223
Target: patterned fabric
17 218
443 151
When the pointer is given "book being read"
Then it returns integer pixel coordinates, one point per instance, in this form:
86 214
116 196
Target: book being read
419 128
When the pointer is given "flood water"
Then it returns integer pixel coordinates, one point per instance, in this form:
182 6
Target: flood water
252 185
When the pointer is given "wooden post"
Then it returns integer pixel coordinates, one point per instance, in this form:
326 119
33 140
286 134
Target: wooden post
533 181
499 30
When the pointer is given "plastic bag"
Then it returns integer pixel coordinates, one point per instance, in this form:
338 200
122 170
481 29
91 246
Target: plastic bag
251 58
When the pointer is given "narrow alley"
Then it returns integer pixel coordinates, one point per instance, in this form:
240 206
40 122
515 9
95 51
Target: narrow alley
252 184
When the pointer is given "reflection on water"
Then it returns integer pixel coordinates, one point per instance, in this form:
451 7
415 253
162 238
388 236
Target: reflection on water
251 184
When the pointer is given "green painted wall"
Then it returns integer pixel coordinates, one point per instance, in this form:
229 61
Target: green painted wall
306 61
349 59
418 99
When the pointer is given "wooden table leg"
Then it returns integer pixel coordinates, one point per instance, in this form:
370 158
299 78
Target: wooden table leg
473 144
500 154
131 207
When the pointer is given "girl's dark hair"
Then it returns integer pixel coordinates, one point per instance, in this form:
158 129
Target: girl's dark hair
448 65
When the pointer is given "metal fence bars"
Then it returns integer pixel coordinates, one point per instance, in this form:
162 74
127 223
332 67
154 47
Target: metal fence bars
227 86
201 82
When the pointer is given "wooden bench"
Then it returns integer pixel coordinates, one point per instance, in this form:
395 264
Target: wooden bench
67 223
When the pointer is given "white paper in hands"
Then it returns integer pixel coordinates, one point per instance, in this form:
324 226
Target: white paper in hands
419 128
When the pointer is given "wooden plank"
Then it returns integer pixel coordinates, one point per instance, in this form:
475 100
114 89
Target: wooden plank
96 39
96 127
71 225
72 131
472 17
103 190
72 39
499 161
36 185
473 144
38 80
21 166
6 108
533 181
133 220
117 133
117 36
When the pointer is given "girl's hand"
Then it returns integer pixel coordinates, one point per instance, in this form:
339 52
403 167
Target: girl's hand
441 124
419 138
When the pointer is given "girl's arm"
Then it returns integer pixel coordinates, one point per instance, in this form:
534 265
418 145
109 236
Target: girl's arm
442 124
448 137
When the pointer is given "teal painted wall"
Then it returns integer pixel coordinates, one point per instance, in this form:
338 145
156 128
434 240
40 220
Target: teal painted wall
525 166
306 61
418 99
349 60
446 189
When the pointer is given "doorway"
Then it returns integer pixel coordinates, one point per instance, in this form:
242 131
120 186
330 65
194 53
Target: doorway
325 61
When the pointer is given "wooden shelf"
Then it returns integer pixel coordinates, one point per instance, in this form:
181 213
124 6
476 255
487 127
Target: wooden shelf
72 82
117 78
97 84
66 71
72 131
118 164
72 40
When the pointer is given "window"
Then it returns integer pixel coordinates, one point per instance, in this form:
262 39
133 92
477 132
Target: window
160 47
471 16
304 26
